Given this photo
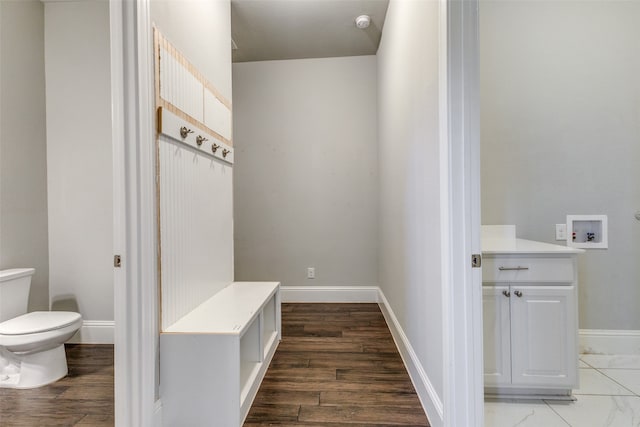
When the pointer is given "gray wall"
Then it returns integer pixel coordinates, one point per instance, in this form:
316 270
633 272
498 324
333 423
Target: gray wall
410 240
306 170
79 164
23 151
560 118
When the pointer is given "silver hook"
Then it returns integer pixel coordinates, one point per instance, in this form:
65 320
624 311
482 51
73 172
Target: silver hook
184 132
225 152
214 147
200 139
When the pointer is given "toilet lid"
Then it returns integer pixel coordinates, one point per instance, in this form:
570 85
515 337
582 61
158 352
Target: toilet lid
38 321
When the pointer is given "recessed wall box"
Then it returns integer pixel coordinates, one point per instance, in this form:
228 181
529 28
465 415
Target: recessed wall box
587 231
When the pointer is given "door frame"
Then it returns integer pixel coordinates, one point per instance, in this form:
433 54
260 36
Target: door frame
134 214
135 239
460 201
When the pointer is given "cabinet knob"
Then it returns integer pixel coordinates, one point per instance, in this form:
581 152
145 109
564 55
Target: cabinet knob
506 293
518 293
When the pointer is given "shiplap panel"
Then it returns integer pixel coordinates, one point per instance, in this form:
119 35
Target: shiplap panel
216 115
196 228
179 87
183 90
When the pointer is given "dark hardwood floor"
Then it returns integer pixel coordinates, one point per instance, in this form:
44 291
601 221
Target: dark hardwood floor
83 398
337 365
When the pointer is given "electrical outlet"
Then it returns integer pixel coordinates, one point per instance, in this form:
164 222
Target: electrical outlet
311 273
561 231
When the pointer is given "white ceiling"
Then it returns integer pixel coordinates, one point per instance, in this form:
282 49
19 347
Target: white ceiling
294 29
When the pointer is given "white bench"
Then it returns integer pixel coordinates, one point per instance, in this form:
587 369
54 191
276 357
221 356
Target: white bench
214 358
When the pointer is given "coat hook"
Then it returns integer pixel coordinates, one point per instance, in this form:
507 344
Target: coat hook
214 147
184 131
200 139
225 152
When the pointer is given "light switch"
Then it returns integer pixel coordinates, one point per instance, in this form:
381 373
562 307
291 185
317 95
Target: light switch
561 231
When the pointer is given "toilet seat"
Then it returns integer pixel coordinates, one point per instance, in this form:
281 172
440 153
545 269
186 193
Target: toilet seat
38 321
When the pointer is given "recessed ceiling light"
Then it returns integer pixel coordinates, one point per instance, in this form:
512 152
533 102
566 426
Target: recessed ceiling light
363 21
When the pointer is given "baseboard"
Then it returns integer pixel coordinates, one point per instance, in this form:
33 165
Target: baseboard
328 294
603 341
94 332
427 394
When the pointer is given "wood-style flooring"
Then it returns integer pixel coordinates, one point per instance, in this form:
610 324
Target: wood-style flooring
336 366
82 398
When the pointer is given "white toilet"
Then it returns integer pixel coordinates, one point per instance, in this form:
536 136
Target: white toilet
31 344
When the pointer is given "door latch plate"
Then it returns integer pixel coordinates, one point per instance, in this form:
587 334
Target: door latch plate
476 260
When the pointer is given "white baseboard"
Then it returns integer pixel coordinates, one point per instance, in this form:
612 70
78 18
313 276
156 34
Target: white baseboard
602 341
94 332
329 294
427 394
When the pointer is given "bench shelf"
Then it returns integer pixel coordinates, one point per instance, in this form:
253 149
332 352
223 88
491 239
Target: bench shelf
214 358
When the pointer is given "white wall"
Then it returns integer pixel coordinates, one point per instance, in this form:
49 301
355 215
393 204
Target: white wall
306 171
560 118
23 151
201 230
409 247
196 226
201 31
79 161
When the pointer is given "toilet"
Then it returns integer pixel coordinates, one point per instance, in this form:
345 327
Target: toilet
31 344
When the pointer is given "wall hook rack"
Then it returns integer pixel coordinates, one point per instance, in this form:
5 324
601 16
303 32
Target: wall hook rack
179 130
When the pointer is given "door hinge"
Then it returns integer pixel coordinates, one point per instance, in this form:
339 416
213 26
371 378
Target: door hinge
117 261
476 260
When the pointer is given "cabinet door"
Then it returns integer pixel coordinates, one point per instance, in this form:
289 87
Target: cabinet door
543 336
496 329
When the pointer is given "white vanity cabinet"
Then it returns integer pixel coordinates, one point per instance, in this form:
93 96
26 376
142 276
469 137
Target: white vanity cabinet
530 318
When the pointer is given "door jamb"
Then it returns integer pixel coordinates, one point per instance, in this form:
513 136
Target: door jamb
135 283
460 163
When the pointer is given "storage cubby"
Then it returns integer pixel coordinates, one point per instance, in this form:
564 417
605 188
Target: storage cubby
214 358
251 355
587 231
271 322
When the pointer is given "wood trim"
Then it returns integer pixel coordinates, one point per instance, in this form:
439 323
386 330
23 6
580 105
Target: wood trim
161 42
158 224
156 64
184 116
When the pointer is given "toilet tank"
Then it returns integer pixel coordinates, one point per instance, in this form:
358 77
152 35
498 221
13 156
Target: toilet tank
14 292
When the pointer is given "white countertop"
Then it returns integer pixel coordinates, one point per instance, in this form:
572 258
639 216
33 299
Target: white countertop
522 246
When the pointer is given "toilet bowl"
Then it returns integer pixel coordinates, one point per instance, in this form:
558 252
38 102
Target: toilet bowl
31 344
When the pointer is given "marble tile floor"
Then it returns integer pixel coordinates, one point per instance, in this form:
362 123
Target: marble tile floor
609 396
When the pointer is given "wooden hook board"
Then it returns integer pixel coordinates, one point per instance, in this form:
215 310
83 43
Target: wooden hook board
183 90
170 125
